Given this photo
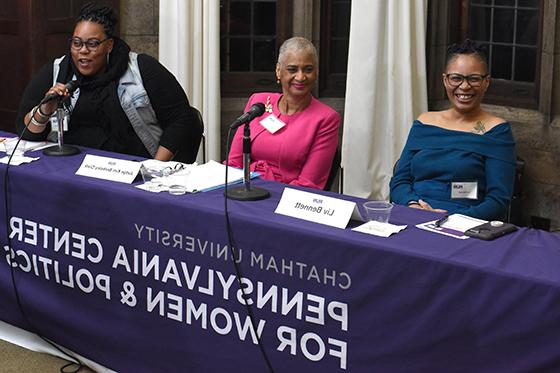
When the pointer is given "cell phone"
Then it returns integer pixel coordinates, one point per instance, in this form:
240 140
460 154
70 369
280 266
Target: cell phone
491 230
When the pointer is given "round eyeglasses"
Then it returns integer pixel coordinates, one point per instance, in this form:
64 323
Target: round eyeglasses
474 80
91 44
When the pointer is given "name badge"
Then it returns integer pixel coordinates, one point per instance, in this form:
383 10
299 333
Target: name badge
466 189
272 124
109 168
315 207
55 124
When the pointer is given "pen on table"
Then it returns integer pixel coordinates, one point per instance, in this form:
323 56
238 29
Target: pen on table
439 222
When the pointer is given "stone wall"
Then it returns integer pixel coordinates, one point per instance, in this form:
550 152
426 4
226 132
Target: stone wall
538 143
140 25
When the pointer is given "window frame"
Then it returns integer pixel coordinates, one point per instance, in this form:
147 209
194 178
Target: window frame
506 92
444 25
330 84
236 84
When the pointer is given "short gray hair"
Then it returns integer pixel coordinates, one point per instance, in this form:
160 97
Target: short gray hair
297 43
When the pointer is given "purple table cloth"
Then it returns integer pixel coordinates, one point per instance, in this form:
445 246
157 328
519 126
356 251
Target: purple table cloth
143 282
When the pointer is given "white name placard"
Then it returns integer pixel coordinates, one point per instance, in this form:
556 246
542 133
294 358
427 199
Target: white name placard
315 207
109 168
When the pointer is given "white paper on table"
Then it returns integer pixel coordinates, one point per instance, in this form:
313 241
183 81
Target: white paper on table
211 175
18 159
196 178
153 187
455 226
378 228
45 145
25 145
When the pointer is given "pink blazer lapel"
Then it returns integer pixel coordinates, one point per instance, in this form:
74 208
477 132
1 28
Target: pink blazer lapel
256 131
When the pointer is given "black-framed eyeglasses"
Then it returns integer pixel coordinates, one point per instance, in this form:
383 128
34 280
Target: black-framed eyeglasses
172 169
91 44
474 80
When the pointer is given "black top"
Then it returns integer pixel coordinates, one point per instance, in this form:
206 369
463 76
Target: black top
98 121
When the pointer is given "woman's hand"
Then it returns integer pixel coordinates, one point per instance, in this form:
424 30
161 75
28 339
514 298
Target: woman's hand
42 113
423 205
60 90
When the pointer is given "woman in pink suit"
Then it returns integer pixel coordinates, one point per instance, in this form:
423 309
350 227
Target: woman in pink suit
295 140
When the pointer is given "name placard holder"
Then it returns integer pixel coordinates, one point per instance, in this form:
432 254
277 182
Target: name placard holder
315 207
106 168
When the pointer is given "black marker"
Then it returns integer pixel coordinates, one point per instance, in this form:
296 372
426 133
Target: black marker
439 222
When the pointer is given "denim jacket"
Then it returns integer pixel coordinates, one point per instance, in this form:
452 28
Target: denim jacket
134 102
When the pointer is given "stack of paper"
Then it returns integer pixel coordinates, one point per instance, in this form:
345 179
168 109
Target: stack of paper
455 226
197 178
24 145
17 160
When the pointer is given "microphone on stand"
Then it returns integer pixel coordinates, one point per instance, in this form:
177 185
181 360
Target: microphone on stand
256 110
245 192
61 149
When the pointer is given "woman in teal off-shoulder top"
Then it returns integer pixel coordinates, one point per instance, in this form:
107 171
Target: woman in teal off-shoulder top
460 160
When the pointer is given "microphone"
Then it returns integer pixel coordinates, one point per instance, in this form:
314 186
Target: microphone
254 111
71 86
61 117
245 192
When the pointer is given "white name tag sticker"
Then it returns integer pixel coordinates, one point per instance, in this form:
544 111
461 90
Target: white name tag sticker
272 124
107 168
315 207
466 189
55 124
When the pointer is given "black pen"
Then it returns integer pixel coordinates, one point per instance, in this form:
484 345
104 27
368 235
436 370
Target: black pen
439 222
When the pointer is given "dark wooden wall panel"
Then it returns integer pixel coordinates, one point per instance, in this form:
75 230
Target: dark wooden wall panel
13 59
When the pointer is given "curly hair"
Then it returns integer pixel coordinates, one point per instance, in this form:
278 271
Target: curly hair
468 47
103 15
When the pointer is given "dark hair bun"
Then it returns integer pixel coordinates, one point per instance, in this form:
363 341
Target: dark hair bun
468 46
103 15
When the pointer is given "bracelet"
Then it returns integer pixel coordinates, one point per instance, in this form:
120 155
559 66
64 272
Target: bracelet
35 121
38 124
41 112
412 203
37 110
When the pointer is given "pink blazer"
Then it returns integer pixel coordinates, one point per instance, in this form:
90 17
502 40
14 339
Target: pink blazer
300 153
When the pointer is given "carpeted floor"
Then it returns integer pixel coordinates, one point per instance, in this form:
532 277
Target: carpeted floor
14 359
